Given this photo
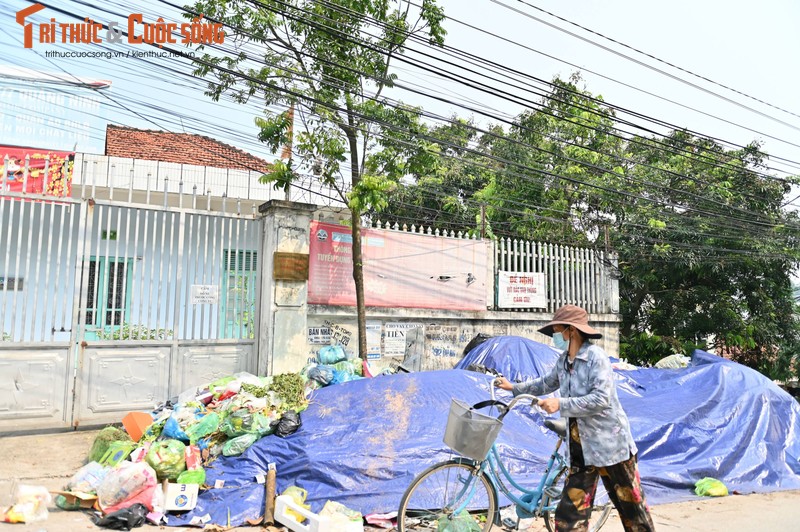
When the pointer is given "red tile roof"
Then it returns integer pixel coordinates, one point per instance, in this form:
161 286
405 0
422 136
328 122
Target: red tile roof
185 148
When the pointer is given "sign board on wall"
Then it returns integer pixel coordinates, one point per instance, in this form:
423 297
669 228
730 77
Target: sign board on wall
521 290
205 294
394 338
319 335
400 269
58 168
374 329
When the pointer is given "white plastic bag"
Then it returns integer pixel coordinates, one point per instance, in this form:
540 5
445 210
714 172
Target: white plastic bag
30 504
88 478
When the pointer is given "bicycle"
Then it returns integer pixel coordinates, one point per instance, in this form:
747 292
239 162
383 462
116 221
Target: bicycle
464 491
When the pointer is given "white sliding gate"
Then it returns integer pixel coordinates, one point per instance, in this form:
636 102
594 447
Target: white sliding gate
108 307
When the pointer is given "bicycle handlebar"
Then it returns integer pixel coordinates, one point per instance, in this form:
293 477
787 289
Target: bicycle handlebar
534 400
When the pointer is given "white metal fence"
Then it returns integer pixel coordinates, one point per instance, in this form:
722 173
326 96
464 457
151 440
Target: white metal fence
573 275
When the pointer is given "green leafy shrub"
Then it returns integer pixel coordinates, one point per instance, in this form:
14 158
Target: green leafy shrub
135 332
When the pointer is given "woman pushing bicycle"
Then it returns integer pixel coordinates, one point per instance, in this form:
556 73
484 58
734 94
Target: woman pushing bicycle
599 435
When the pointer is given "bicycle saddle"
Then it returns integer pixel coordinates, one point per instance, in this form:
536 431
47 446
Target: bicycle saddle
559 426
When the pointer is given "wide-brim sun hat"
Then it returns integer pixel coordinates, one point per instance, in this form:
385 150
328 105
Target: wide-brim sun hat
571 315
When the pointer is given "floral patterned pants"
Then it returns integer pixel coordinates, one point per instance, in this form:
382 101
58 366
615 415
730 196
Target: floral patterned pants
620 480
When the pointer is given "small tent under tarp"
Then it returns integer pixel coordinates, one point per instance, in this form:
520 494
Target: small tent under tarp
363 442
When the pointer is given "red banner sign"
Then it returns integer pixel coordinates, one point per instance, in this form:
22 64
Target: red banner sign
58 177
400 269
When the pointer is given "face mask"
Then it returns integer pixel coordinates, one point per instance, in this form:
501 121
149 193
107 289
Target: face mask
560 342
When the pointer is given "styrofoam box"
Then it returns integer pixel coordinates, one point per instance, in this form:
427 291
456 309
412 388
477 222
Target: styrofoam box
315 522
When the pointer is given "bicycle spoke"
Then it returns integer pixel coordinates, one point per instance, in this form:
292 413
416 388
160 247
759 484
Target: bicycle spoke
441 492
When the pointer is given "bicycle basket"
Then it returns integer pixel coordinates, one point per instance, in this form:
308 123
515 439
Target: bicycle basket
469 432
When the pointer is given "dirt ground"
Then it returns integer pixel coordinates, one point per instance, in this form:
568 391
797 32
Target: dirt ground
51 459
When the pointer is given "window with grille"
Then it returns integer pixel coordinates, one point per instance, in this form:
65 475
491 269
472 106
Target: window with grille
106 292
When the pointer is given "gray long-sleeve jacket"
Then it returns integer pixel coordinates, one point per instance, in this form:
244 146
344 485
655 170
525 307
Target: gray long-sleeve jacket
589 395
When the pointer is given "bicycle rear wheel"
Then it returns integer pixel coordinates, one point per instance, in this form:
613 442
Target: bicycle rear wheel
439 490
601 508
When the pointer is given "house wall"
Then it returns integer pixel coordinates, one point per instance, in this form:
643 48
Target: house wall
437 337
444 333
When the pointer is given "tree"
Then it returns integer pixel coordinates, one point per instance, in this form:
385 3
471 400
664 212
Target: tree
331 61
713 254
439 189
706 249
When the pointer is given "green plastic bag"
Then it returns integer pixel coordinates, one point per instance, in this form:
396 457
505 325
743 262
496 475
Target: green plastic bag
710 487
193 476
462 522
237 446
242 421
167 458
215 386
208 424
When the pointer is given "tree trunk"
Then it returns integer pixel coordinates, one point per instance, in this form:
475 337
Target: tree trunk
358 263
358 278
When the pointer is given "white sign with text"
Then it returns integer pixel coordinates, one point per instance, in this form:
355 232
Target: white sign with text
521 290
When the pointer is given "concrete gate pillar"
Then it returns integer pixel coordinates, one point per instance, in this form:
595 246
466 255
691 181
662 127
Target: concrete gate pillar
284 286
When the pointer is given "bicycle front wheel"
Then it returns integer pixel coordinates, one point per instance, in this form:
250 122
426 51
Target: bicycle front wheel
601 508
435 495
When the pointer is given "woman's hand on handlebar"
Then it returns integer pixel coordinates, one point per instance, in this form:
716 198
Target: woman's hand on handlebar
549 405
503 383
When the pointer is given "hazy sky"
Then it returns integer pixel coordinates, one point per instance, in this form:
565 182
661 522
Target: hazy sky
747 46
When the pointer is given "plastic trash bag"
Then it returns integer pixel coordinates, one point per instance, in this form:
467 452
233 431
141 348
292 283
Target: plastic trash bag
353 366
298 495
177 422
208 424
126 519
710 487
462 522
331 354
167 458
676 361
238 445
340 377
287 424
241 422
193 476
88 478
126 485
30 504
322 374
341 516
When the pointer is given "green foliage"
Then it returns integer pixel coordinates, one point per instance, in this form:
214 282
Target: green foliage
371 192
705 247
135 332
6 337
645 349
330 61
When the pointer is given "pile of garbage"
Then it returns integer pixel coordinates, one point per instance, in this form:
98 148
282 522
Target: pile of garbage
157 464
333 367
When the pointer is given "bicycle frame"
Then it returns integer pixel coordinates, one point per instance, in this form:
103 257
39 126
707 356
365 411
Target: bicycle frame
497 472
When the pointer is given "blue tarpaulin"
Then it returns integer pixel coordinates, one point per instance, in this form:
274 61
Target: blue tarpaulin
363 442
